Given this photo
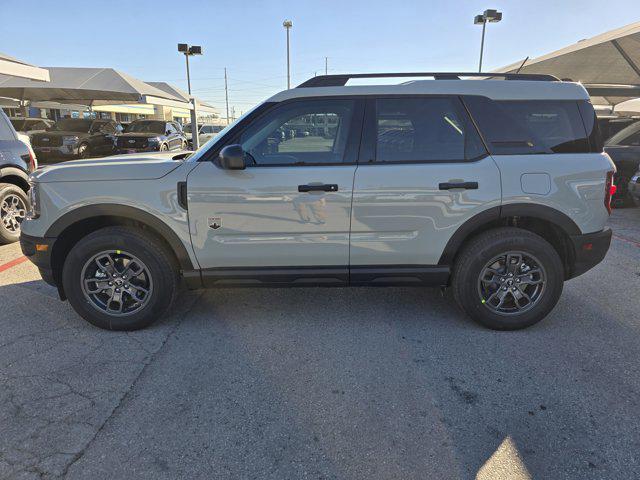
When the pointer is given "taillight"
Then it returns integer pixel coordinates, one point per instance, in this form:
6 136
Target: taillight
32 162
609 191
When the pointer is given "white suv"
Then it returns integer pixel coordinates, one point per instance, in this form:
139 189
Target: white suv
497 187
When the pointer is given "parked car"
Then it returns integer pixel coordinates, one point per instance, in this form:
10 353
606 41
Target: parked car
206 131
151 135
499 189
624 150
31 125
609 125
75 138
16 162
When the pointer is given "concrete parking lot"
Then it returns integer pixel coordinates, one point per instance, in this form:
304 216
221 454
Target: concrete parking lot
359 383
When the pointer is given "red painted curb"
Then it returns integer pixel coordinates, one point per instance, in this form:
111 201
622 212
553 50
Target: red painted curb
12 263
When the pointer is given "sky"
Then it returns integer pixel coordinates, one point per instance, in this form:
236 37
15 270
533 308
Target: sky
140 37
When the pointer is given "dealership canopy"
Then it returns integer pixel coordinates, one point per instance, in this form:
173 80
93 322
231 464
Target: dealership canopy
607 64
17 68
87 86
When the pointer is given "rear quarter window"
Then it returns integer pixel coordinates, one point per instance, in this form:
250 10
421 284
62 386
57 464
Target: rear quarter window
533 126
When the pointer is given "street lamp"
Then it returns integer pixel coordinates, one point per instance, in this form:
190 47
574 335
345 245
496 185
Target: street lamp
188 52
287 24
491 16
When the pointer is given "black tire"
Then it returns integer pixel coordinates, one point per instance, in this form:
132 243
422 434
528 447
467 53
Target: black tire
164 147
148 250
184 145
9 222
475 256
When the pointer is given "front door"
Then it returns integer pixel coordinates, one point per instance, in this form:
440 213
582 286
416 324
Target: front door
291 206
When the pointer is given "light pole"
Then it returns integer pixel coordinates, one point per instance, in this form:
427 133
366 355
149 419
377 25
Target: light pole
188 52
491 16
287 24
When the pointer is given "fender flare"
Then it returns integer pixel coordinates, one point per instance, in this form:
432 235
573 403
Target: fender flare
123 211
531 210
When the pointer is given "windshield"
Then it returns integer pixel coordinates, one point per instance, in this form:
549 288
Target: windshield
629 135
17 124
73 125
146 126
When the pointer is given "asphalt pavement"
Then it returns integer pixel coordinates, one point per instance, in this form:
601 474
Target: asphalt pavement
360 383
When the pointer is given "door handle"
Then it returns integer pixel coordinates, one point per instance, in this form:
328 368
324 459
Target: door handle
320 187
462 185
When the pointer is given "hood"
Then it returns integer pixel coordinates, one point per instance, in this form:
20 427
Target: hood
120 167
139 135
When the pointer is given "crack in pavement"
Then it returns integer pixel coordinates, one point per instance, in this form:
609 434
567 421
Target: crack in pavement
127 393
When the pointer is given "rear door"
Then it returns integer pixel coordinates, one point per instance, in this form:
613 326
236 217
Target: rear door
423 172
291 206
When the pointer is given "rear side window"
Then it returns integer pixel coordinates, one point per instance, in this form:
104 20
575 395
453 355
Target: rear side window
530 126
424 129
6 130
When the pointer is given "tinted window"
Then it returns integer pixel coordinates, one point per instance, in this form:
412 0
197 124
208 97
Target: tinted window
530 126
146 126
301 132
557 124
6 130
629 136
73 125
424 129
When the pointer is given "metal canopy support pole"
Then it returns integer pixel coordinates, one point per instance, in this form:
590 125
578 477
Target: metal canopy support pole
226 93
484 27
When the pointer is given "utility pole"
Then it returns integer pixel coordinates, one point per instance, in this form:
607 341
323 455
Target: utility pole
287 24
326 65
226 93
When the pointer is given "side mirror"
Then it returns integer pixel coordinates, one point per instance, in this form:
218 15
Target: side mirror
232 157
167 133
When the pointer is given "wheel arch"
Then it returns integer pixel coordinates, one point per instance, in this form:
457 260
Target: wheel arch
549 223
72 226
15 176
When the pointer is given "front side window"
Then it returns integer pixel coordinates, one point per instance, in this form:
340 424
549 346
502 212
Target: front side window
424 129
301 132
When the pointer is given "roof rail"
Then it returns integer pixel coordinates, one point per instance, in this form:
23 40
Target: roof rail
340 80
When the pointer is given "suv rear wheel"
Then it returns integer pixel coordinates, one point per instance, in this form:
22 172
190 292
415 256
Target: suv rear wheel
13 210
119 279
508 278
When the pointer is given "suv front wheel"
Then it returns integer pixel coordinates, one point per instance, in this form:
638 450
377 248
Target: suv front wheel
119 278
13 209
508 278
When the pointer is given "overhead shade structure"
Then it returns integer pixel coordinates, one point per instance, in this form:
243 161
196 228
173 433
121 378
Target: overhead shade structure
167 87
83 86
17 68
611 59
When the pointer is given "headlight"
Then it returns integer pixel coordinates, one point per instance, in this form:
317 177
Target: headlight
34 200
69 140
153 141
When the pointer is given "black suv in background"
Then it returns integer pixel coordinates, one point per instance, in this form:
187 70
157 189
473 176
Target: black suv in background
16 163
75 138
151 135
624 150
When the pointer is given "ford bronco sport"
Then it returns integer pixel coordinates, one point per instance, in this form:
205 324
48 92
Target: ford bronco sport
496 187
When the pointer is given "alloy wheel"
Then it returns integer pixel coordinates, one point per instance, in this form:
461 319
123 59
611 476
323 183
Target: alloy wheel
13 210
512 283
116 283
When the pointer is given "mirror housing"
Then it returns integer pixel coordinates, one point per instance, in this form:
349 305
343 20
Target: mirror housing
232 157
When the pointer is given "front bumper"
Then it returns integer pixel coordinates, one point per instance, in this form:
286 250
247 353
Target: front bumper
38 251
589 250
64 151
